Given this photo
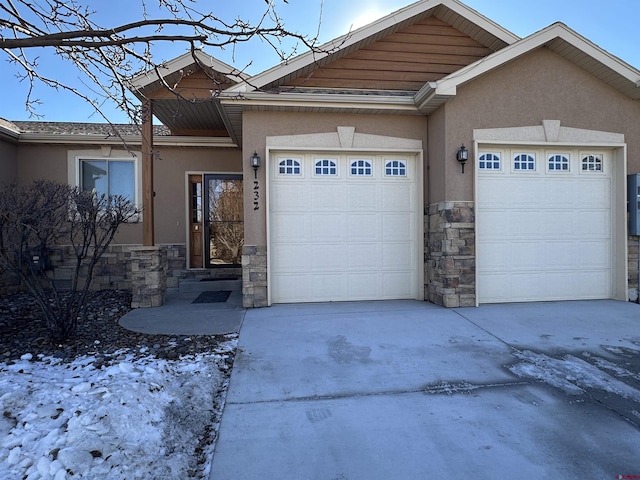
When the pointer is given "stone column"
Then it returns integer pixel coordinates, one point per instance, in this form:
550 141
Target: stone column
148 273
254 276
450 256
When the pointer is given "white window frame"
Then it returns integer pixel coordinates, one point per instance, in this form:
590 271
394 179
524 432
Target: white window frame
589 171
106 153
333 165
566 155
526 162
500 161
370 164
401 167
299 166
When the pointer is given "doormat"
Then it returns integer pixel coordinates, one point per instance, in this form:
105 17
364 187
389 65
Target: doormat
213 297
217 279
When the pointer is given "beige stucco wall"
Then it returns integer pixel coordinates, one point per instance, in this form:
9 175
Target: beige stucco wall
258 125
170 184
8 161
51 162
539 86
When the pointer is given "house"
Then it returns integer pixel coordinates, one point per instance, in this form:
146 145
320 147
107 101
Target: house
431 155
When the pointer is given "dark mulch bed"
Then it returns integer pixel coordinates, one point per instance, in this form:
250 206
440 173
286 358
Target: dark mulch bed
23 330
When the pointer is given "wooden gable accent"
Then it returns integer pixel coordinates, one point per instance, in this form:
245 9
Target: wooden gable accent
423 52
197 85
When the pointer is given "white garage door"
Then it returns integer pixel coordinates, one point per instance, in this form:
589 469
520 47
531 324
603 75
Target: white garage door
343 227
544 224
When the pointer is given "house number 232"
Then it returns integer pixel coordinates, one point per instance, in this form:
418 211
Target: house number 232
256 195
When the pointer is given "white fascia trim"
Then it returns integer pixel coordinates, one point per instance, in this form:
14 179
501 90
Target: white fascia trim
183 61
312 100
367 31
8 132
448 85
166 141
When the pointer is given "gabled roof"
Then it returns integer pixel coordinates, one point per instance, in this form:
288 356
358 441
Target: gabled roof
558 38
452 12
172 71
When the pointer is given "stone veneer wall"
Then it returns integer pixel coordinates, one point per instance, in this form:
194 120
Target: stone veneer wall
632 262
147 269
450 260
254 276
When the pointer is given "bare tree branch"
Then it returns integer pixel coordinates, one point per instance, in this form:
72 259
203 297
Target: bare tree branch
108 56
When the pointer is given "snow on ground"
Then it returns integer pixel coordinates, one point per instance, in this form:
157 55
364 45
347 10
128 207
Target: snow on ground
572 374
137 418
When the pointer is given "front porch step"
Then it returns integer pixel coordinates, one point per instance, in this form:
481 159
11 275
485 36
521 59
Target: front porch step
191 285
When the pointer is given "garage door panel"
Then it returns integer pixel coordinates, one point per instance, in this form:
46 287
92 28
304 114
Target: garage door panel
593 283
496 286
397 227
363 227
365 286
363 256
595 193
396 285
327 257
558 223
289 198
562 255
328 196
594 254
328 287
328 227
293 288
397 256
291 228
363 197
397 198
594 223
527 255
296 257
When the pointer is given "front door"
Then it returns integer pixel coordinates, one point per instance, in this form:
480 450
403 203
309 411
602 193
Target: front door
216 226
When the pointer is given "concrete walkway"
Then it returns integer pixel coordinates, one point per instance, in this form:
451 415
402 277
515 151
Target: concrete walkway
409 390
180 316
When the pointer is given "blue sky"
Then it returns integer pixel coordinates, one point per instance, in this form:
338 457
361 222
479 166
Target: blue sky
612 25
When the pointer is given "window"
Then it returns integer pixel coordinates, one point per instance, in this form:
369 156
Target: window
592 163
489 161
524 161
361 167
395 168
558 163
326 167
289 166
109 177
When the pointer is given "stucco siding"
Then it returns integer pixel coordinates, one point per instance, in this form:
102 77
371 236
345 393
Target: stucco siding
258 125
170 184
541 85
8 162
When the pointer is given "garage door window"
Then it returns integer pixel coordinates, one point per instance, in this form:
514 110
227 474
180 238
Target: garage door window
395 168
592 163
558 163
489 161
290 166
524 162
326 167
361 168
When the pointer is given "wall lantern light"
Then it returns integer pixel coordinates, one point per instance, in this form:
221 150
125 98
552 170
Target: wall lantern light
255 163
462 156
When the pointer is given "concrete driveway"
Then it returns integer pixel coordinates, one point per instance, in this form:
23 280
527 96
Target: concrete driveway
409 390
